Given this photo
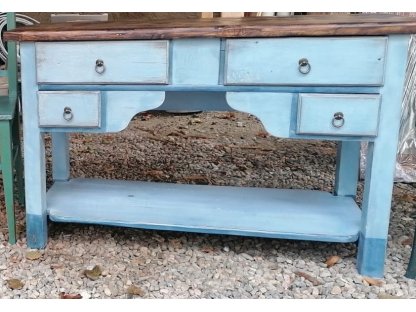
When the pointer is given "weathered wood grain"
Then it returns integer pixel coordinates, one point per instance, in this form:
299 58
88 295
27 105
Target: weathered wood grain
246 27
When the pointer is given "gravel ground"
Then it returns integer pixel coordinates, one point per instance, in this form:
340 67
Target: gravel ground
207 148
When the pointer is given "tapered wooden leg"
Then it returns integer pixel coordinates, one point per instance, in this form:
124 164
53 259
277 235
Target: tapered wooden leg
347 170
380 167
6 152
60 156
34 153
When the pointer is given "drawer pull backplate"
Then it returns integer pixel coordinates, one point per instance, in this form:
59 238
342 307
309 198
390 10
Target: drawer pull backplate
304 66
68 115
338 120
99 67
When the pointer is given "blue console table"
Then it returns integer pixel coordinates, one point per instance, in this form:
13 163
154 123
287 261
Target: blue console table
320 78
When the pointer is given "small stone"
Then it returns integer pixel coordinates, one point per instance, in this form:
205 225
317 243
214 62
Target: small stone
85 295
240 124
247 256
226 249
336 290
107 292
197 292
325 274
164 291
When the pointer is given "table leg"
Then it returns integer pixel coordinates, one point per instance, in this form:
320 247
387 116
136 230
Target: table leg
347 170
381 162
34 153
60 156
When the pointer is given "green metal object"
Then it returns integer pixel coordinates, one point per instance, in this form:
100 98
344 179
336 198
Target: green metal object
411 268
10 147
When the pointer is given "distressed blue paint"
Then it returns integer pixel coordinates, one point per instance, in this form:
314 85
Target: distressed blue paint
60 156
205 208
273 109
85 108
195 61
316 113
196 101
122 106
125 62
275 85
371 256
381 155
348 167
36 231
34 146
116 109
214 88
333 61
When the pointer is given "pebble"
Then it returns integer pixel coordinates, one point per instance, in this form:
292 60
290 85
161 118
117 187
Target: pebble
107 292
336 290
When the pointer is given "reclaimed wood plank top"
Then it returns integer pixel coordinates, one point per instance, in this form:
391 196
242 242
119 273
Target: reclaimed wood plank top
247 27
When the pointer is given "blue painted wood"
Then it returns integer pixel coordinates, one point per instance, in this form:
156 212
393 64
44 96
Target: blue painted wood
196 101
381 159
333 61
348 167
216 88
195 61
84 106
205 208
134 62
121 107
117 110
374 249
273 109
360 114
353 68
34 153
36 230
60 156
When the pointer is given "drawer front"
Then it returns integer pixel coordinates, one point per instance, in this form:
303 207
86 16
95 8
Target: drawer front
346 115
69 109
133 62
305 61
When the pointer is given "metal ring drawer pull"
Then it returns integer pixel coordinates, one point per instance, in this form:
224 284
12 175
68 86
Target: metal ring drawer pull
304 66
338 120
99 67
68 115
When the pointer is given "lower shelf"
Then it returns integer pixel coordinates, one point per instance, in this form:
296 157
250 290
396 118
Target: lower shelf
247 211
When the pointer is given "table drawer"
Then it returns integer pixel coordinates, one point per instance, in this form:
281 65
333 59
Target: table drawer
305 61
133 62
69 109
344 114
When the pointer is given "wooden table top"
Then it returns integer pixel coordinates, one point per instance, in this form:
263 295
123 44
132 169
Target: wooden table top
290 26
